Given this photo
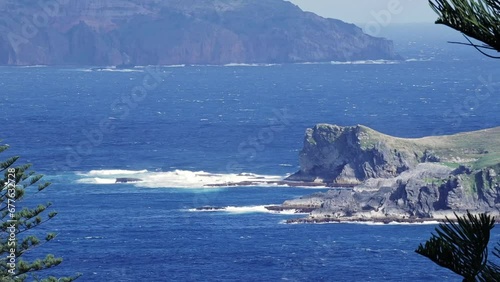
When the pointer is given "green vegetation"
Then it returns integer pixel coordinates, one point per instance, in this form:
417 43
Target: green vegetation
462 247
434 181
477 149
488 160
311 141
451 165
17 234
469 182
478 19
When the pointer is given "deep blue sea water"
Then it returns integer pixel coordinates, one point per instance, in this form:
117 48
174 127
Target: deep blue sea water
206 124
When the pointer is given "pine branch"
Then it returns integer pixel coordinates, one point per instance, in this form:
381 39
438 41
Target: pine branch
26 219
478 19
461 246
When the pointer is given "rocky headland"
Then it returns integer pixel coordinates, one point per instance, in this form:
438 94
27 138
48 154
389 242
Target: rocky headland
397 179
168 32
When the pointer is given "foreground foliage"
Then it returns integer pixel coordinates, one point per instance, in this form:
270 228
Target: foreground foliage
462 247
478 19
17 229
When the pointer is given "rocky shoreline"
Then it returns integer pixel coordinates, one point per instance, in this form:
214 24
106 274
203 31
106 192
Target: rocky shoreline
382 220
283 183
360 220
396 179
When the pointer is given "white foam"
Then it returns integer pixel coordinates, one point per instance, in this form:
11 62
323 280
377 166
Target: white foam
248 65
119 70
34 66
431 222
107 69
93 237
290 212
245 209
177 178
96 180
418 60
175 66
366 62
114 172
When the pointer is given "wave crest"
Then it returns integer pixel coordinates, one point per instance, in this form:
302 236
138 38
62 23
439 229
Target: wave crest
177 178
244 209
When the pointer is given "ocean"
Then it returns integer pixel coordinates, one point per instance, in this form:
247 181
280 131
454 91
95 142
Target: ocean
180 128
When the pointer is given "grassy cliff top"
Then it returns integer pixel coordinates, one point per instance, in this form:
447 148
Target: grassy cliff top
476 148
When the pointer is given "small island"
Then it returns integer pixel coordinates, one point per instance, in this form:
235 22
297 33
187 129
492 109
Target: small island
396 179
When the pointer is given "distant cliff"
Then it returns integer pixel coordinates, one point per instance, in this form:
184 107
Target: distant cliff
149 32
398 179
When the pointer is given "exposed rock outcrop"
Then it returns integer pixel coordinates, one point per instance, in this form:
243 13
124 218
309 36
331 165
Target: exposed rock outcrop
127 180
399 179
353 154
147 32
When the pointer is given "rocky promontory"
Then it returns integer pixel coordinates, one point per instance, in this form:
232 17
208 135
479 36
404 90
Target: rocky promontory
398 179
168 32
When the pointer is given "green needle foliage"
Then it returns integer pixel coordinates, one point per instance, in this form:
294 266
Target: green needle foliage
25 219
462 247
478 19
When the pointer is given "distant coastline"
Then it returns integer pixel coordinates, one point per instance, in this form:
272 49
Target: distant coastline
127 33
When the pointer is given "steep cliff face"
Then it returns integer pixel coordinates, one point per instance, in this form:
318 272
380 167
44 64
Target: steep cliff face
141 32
351 155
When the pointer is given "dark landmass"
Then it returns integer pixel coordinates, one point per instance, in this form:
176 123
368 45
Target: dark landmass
168 32
398 179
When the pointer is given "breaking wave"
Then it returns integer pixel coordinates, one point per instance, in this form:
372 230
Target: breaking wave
366 62
249 65
243 209
118 70
176 178
418 60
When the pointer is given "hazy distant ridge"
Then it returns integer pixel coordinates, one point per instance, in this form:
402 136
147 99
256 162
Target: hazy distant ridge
142 32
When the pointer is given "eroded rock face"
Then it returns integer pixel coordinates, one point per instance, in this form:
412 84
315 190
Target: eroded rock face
345 155
150 32
427 191
398 178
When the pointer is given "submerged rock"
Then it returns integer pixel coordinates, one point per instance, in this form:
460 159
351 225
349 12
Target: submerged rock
127 180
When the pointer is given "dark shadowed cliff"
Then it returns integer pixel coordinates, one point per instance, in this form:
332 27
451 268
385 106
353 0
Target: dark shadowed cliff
144 32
